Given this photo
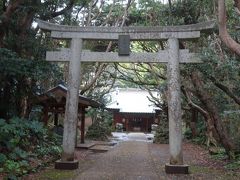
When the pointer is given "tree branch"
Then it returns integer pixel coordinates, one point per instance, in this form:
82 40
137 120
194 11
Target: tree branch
223 33
109 14
226 90
125 15
192 104
100 10
94 79
58 13
237 6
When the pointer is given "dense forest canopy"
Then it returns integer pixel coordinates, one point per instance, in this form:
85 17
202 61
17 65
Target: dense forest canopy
210 88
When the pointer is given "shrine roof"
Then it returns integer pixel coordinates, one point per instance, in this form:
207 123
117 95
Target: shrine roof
131 100
60 91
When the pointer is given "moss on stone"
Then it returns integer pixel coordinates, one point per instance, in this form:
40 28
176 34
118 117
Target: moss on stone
201 169
220 174
54 174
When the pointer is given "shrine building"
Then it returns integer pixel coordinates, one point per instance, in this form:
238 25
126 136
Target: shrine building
132 108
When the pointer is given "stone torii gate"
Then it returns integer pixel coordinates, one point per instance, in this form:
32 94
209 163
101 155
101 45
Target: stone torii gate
173 56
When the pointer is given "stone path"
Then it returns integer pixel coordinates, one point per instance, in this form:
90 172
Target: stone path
135 136
135 158
130 160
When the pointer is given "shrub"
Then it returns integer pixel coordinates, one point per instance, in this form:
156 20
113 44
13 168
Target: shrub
22 140
232 124
201 137
99 130
161 135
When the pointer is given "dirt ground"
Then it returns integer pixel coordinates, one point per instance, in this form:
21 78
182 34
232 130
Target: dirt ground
130 160
134 157
141 160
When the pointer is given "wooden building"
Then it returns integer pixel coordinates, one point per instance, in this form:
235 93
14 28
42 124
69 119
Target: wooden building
132 108
54 101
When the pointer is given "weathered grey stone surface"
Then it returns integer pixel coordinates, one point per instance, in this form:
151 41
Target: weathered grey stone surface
159 57
133 35
204 26
136 33
174 103
124 45
59 56
70 120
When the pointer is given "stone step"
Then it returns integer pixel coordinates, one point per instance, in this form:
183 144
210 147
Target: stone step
86 145
100 148
104 143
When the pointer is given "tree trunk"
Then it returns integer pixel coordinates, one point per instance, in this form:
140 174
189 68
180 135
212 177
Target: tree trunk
6 16
211 130
192 124
214 118
223 33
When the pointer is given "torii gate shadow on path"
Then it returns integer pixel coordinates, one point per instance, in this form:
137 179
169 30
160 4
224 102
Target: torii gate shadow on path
173 56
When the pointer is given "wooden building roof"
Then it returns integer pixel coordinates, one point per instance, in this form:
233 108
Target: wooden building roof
57 97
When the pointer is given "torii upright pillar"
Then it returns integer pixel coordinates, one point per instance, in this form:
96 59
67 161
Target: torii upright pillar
174 110
174 103
70 122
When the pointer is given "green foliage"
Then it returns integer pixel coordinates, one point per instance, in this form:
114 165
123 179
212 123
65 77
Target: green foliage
20 141
101 115
55 174
190 12
233 165
199 139
102 126
232 124
51 150
146 13
219 154
162 131
219 68
201 133
99 131
188 133
21 78
3 158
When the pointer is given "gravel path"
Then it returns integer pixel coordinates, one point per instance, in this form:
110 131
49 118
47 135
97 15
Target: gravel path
129 160
135 158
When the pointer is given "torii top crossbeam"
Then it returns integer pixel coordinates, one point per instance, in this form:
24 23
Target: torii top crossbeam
136 33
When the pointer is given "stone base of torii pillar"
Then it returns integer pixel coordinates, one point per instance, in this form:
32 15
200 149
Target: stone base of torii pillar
176 169
66 165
